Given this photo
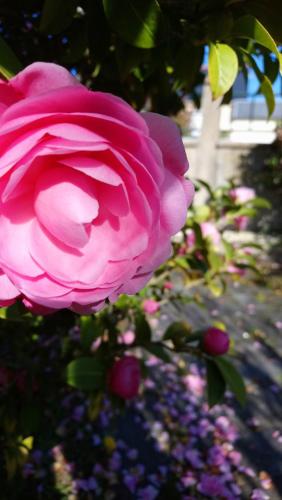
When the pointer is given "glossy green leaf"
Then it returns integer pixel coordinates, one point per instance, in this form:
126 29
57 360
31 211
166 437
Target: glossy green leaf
137 22
142 329
271 67
158 350
86 374
259 202
57 15
216 384
270 14
9 63
223 68
232 378
251 28
265 86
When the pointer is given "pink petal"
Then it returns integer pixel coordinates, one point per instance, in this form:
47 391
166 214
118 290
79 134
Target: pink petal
15 230
42 77
8 96
66 203
166 134
7 290
174 204
94 168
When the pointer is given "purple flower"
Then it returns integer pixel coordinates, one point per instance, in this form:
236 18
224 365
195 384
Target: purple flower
193 456
148 493
132 454
211 486
78 413
92 484
259 495
130 482
235 457
188 479
225 429
216 456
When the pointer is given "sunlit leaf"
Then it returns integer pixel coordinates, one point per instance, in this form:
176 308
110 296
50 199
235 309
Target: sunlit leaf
223 68
251 28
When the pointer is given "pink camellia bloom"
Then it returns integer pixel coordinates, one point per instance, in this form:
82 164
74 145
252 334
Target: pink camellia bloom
125 377
242 194
190 238
195 383
90 190
168 285
210 231
241 222
127 337
150 306
215 342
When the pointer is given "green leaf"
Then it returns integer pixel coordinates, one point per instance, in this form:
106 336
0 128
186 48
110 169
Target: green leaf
271 67
90 330
142 329
56 16
260 203
177 330
216 384
158 350
249 27
229 250
265 84
181 262
9 63
249 212
269 14
232 378
223 68
215 260
137 22
86 374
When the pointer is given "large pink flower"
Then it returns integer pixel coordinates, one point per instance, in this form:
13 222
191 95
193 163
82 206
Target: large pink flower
90 192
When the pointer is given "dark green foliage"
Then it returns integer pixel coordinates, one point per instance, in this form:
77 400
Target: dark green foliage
145 49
